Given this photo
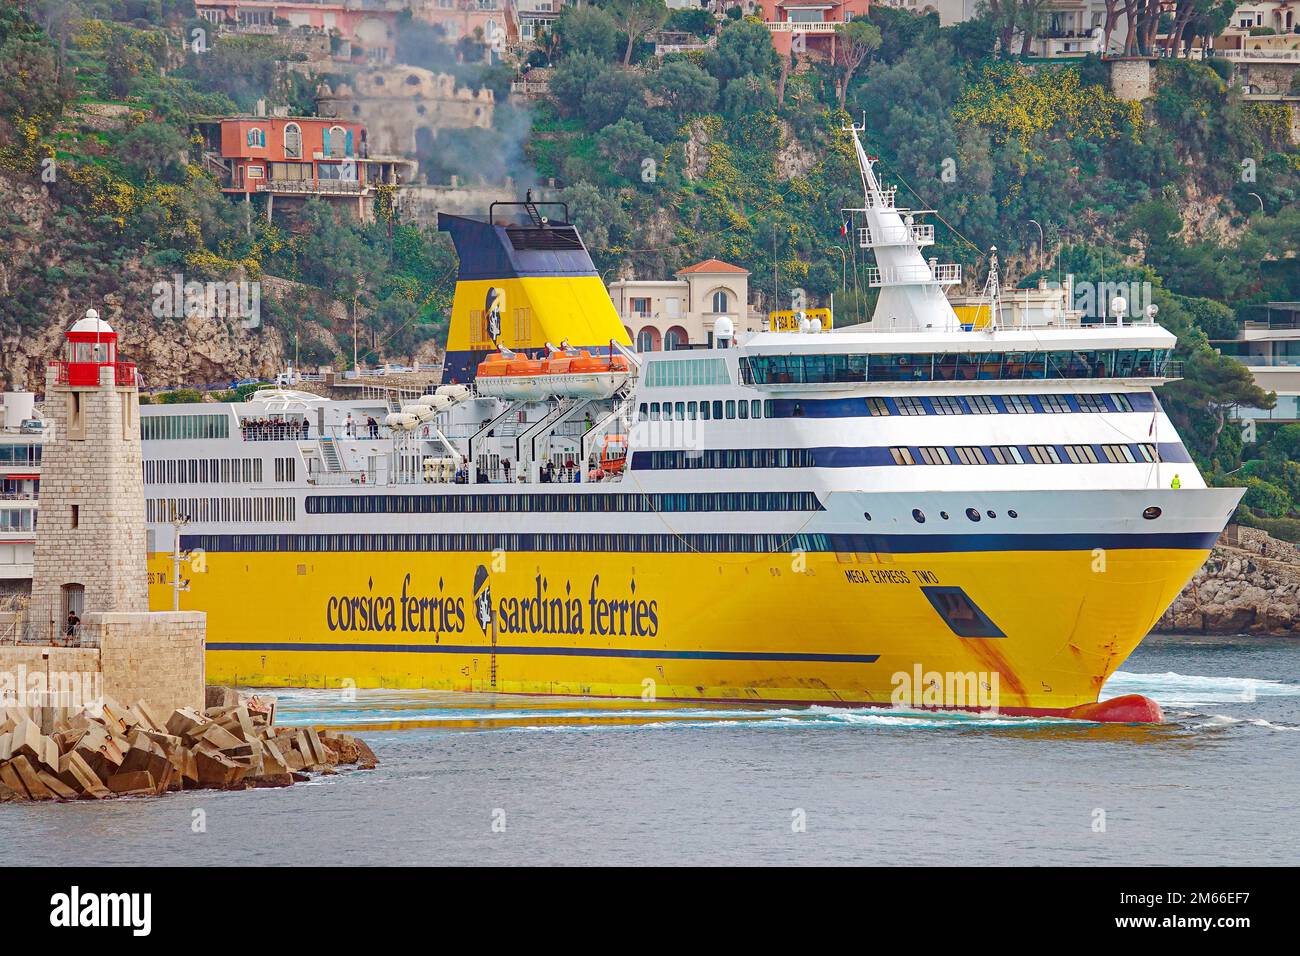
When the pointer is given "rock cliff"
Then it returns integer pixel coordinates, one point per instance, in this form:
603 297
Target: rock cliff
1249 585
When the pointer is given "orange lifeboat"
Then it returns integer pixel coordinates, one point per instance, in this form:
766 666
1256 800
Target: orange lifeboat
587 376
515 378
562 374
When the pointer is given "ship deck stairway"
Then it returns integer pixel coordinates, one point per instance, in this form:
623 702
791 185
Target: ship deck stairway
476 439
527 440
329 454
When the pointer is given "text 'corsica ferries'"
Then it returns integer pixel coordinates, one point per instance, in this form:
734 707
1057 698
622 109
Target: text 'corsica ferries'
792 516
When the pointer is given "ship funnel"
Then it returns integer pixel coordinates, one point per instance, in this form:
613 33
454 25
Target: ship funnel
524 281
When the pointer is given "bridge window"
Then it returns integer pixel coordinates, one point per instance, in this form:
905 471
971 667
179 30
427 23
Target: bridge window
679 373
814 368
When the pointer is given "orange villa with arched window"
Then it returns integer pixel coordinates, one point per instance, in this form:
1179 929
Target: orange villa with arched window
293 158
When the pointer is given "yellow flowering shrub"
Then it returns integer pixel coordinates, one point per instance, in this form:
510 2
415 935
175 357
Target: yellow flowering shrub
1012 102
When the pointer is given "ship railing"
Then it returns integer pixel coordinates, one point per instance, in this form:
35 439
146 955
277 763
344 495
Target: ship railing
882 198
332 479
947 273
895 235
259 431
25 632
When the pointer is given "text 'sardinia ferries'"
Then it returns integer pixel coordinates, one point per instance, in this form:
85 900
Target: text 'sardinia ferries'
792 516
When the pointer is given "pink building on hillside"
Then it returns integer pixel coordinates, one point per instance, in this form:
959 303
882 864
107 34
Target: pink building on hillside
808 26
370 26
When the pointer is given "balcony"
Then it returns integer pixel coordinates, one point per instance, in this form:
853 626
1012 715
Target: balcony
87 373
946 273
788 26
1260 56
310 187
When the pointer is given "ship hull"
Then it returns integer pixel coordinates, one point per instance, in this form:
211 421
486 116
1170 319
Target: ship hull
1041 630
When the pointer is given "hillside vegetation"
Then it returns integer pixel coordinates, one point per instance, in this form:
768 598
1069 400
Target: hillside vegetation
728 152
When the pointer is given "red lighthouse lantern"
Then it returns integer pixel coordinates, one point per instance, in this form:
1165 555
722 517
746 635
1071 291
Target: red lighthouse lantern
88 346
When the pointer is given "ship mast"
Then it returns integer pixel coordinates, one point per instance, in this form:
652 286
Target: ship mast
912 296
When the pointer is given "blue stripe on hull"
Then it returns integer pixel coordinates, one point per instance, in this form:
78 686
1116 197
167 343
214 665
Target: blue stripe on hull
546 651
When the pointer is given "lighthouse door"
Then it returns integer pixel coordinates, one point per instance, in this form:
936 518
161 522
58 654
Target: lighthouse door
72 601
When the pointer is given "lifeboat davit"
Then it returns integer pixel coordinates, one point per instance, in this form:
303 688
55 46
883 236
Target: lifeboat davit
562 375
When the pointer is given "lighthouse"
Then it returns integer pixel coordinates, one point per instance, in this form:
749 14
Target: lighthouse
90 538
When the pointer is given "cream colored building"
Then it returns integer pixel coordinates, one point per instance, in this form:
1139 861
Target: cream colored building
679 313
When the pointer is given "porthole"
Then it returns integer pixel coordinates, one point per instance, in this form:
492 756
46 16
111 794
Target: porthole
991 513
1012 514
867 515
973 514
1151 513
919 515
943 515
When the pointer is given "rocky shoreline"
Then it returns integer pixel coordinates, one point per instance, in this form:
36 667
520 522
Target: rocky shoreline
1250 585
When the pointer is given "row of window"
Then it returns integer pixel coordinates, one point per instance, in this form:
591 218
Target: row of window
20 454
880 407
820 369
557 542
221 509
192 471
874 456
703 411
1024 454
166 427
576 503
682 373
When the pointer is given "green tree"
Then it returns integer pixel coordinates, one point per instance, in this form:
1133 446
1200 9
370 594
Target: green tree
1214 385
626 146
684 87
153 151
572 78
587 30
747 95
743 47
636 18
858 40
610 94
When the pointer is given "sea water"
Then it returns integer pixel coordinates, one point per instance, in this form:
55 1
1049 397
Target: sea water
490 779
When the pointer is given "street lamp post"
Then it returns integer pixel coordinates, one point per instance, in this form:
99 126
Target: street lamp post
1034 222
844 267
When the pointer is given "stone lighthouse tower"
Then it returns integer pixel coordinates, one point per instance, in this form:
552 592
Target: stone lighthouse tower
90 541
90 538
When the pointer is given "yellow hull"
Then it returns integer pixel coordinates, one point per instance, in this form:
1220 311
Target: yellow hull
822 628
